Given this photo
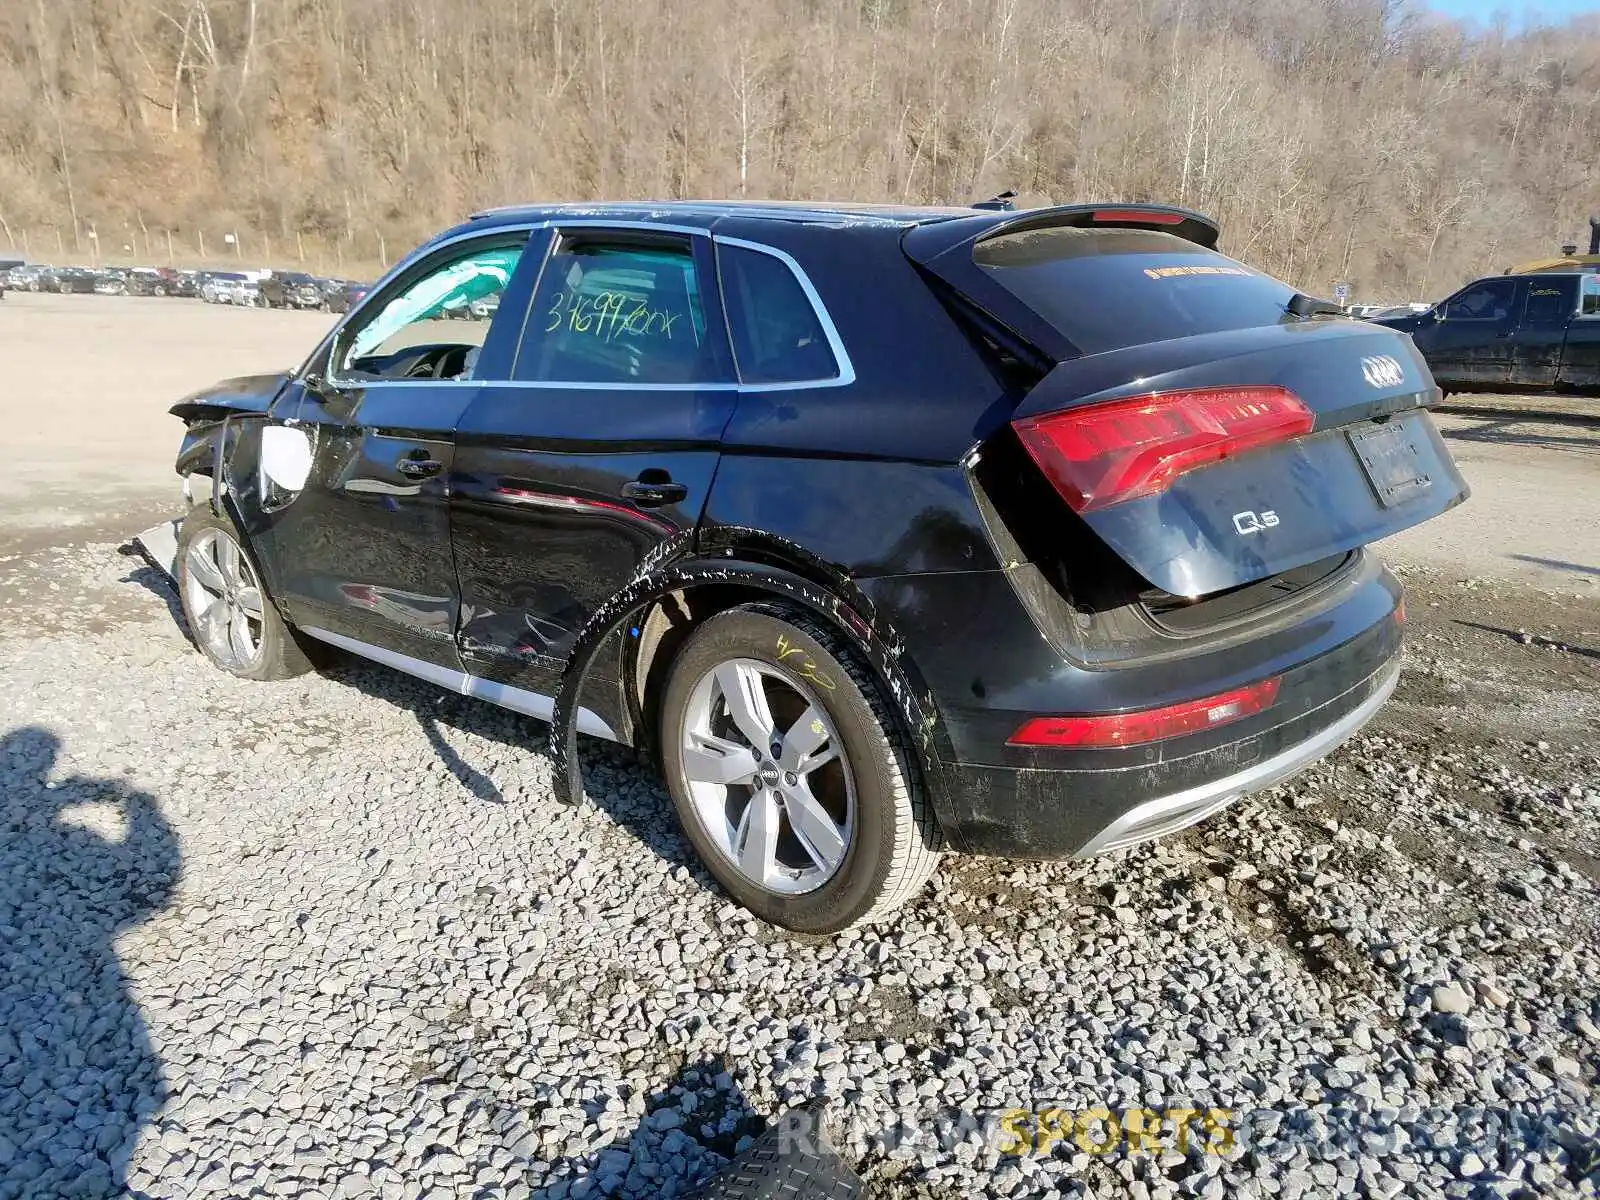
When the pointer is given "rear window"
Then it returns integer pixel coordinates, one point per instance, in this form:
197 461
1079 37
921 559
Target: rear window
1591 296
1109 288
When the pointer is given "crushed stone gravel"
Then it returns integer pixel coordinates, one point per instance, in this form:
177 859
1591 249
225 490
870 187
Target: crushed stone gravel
335 938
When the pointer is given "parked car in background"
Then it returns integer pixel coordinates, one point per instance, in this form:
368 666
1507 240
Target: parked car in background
220 287
291 289
26 278
1400 310
111 281
1055 545
81 280
485 307
149 281
342 295
1529 331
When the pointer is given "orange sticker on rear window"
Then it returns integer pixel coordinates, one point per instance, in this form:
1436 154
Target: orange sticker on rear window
1167 272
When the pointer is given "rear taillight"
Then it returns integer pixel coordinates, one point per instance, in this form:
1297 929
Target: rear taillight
1146 725
1123 449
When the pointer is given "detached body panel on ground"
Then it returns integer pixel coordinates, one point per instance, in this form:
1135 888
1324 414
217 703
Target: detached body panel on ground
953 555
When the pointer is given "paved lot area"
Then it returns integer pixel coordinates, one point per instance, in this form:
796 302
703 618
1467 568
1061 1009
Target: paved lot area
334 938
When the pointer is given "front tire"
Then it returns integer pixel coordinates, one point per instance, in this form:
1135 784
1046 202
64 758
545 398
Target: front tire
230 616
791 776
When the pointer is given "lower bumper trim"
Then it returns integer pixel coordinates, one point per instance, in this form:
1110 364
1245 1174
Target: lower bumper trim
1168 814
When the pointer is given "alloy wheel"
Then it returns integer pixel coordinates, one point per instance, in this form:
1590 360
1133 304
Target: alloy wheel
764 766
224 599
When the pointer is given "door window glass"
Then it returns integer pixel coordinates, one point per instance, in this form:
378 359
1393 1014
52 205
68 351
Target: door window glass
1550 302
432 326
617 312
777 337
1591 296
1486 300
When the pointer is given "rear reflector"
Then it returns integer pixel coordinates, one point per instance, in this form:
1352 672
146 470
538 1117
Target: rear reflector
1148 725
1123 449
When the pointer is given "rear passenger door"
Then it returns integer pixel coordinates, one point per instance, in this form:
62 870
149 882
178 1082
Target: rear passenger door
1537 340
600 446
1580 361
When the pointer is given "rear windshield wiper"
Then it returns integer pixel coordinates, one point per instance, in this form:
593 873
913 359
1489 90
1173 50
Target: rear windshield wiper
1302 305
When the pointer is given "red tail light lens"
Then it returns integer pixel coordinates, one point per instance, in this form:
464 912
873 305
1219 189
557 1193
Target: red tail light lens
1148 725
1123 449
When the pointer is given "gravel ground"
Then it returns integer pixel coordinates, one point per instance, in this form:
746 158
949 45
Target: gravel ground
335 938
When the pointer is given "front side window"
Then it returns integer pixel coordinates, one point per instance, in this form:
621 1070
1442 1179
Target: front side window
1487 300
1591 296
423 329
777 337
617 310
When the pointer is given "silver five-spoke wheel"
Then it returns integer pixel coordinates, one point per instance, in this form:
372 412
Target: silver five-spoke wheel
223 599
762 763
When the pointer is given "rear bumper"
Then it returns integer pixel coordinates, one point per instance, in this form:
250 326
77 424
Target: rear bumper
1178 810
1025 812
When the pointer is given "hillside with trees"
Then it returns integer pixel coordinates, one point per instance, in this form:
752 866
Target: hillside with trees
1333 139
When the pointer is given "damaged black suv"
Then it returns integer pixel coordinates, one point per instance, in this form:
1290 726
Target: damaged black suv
883 530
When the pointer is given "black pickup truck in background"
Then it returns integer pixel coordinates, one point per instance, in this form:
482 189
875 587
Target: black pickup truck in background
1516 332
1534 328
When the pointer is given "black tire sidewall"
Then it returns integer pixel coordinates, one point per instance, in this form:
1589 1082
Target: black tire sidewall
869 750
280 658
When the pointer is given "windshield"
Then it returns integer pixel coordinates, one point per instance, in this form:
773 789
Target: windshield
1109 288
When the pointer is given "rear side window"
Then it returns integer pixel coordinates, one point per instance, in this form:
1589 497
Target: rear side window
1550 302
1486 300
1109 288
777 336
617 312
1591 296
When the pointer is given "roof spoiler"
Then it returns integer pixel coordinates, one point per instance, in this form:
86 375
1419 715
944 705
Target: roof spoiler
1180 222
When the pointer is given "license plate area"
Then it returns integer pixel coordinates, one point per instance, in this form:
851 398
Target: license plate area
1392 460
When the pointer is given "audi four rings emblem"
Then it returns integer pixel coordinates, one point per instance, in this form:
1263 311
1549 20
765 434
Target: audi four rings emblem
1382 371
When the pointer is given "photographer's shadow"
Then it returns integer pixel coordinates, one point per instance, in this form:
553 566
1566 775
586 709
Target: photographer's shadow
80 861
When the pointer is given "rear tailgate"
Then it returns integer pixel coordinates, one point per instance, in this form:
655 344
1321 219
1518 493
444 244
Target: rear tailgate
1210 438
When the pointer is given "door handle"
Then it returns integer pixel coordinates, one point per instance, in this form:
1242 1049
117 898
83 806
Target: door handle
419 468
654 495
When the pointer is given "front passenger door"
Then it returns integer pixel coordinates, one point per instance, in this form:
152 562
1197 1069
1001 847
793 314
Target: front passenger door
360 553
1470 344
601 446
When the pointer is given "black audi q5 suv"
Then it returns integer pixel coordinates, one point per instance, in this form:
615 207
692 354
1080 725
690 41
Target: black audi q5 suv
883 530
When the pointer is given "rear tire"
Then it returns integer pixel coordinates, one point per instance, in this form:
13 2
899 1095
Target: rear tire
755 695
231 618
